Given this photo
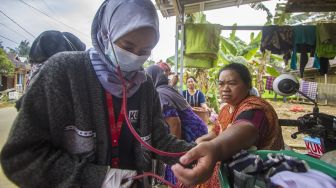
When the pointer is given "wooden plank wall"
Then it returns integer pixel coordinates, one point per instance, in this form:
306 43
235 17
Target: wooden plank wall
314 76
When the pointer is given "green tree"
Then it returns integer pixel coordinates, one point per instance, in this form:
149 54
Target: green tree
1 46
148 63
262 7
11 50
23 48
6 66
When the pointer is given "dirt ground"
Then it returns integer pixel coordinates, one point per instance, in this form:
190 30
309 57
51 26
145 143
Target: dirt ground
284 112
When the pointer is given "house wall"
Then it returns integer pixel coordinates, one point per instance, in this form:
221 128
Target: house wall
2 83
315 76
19 72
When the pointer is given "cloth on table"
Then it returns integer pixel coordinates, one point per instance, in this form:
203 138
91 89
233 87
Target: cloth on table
249 170
311 178
308 88
278 40
269 83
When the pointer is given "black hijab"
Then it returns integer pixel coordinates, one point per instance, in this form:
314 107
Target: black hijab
168 95
51 42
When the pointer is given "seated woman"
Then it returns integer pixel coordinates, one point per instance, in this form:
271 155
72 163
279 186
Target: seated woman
243 122
194 97
182 121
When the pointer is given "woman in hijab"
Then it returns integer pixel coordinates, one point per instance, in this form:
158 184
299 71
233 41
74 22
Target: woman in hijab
49 43
46 45
182 121
71 130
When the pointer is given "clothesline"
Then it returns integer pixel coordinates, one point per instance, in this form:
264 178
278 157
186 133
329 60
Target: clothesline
246 27
251 27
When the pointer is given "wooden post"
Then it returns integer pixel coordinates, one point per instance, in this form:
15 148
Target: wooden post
326 82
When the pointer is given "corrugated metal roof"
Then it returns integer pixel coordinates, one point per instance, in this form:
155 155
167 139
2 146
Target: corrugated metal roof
171 7
311 6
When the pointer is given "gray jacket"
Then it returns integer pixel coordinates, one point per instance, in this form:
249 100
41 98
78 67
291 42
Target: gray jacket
60 137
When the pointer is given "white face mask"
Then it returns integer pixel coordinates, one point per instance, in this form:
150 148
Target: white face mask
127 61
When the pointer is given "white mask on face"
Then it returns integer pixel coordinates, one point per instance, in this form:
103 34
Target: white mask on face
127 61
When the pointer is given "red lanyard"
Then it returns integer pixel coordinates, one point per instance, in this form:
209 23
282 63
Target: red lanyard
115 127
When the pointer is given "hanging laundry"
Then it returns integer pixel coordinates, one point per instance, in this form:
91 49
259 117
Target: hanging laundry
324 65
201 45
326 40
269 83
308 88
304 40
278 40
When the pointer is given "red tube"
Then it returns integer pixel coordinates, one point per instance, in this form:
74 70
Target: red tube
149 147
135 134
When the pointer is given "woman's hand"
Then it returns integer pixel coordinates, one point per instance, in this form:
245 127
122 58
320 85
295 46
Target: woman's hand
205 156
206 137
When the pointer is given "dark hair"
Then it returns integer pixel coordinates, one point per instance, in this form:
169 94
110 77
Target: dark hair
242 70
192 78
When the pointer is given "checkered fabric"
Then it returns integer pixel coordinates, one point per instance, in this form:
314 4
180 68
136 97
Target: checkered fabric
269 83
308 88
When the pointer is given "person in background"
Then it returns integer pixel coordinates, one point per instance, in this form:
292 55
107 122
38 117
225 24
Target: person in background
167 71
243 122
182 121
71 129
193 96
46 45
49 43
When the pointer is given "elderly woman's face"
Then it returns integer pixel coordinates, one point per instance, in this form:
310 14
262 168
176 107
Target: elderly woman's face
232 89
139 42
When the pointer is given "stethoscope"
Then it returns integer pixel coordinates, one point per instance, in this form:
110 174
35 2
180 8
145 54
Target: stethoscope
137 136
